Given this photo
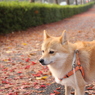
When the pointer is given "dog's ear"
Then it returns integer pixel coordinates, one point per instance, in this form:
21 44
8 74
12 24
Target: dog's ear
63 37
46 35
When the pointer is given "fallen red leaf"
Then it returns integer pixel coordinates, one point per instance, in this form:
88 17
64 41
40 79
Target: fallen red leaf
89 88
36 75
12 70
42 86
13 93
21 77
5 69
27 67
58 88
33 63
27 60
56 92
1 90
19 72
9 59
40 72
5 82
72 92
25 83
52 93
35 83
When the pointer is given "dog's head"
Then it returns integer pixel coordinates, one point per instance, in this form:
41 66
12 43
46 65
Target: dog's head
54 49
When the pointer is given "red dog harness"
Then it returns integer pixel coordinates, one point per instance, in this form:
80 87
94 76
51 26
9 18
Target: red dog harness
76 66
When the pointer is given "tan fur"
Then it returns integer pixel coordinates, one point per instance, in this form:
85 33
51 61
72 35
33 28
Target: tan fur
60 62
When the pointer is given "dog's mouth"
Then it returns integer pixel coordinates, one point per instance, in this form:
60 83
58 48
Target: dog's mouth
44 63
47 64
50 62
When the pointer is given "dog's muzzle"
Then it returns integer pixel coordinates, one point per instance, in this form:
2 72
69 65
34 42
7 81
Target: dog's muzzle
42 61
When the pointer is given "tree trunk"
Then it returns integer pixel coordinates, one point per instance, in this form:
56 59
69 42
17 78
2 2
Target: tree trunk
81 1
31 1
56 1
68 2
76 2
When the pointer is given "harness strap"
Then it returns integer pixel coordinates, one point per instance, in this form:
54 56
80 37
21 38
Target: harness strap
76 68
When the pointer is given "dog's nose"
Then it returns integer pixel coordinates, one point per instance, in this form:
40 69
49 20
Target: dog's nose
41 60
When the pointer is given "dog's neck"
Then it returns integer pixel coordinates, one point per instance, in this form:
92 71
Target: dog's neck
64 65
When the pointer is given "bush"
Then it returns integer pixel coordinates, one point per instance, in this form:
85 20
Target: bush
16 16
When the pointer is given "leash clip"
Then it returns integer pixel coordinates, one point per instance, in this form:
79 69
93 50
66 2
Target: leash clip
74 59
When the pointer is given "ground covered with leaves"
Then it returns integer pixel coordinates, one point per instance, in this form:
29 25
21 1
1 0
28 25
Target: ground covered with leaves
20 71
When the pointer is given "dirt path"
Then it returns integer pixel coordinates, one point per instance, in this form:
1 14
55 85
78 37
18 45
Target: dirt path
20 51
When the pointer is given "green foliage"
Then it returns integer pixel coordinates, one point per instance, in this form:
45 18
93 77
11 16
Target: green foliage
16 16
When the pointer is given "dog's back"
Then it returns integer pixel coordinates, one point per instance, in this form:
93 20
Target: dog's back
87 58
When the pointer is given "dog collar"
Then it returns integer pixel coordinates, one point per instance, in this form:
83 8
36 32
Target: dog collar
76 65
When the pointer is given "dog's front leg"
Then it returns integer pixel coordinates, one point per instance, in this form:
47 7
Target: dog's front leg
67 90
80 90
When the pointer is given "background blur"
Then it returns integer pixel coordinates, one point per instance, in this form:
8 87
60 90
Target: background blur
60 2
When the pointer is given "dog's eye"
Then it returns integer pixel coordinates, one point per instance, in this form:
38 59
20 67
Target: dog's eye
42 51
51 52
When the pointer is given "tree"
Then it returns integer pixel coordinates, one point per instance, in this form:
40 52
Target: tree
68 2
81 1
76 2
56 1
31 1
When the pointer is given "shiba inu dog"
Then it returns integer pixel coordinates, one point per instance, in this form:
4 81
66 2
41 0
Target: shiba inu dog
71 64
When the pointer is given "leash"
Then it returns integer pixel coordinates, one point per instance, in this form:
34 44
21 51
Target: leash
76 65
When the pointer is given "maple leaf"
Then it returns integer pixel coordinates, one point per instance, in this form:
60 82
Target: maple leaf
58 88
19 72
33 63
42 86
36 75
4 69
13 93
42 78
4 82
21 77
72 92
12 70
24 44
56 92
27 67
40 72
89 88
27 60
9 59
26 83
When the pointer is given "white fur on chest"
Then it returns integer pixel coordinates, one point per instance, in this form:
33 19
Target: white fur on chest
67 81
